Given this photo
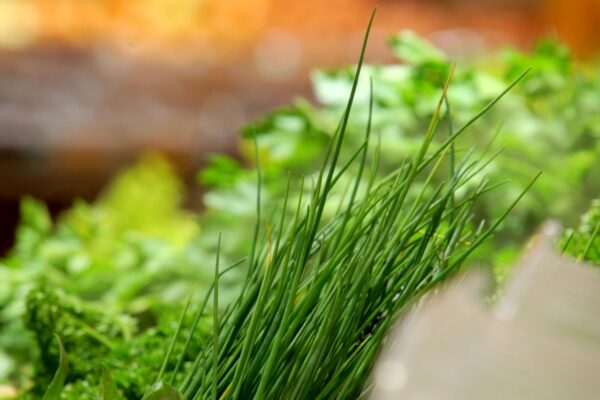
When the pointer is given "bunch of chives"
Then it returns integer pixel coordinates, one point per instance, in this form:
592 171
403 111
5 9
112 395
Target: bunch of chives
319 297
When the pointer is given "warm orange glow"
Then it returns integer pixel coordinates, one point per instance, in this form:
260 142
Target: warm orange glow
577 22
223 27
148 24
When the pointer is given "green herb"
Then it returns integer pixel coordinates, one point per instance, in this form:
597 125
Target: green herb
97 341
338 243
134 250
547 123
321 294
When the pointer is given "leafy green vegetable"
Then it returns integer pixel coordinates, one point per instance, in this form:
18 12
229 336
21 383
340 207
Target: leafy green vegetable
88 333
415 50
547 123
134 250
136 225
147 199
98 341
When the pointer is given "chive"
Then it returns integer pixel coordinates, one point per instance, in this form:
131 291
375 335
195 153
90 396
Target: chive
216 322
319 299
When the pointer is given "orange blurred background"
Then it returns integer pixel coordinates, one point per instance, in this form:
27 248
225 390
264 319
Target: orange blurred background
228 26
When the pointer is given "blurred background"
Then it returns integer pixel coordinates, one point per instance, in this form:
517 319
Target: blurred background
88 85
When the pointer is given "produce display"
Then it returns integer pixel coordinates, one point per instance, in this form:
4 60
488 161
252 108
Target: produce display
134 251
339 216
546 123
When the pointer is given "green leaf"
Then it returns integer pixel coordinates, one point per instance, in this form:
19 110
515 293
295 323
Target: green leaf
163 391
221 171
414 50
109 389
35 226
58 382
146 199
